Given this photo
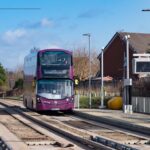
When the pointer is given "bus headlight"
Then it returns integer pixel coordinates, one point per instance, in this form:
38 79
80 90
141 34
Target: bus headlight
67 99
71 99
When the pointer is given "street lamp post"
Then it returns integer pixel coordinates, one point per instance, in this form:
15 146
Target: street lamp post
102 81
89 38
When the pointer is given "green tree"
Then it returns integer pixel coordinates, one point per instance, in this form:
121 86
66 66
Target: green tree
2 76
19 84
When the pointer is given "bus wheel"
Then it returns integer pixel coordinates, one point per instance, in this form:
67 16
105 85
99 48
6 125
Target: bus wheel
69 111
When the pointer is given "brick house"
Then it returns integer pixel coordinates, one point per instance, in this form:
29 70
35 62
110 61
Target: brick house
114 53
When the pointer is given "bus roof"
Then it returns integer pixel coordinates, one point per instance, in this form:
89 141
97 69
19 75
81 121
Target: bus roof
35 52
55 49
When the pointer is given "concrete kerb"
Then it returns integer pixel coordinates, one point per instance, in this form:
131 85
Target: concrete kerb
115 122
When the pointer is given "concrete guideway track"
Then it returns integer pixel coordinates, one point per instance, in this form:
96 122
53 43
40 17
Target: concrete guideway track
101 139
106 134
115 122
86 143
103 133
19 133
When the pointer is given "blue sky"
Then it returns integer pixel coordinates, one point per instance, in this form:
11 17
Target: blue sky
61 23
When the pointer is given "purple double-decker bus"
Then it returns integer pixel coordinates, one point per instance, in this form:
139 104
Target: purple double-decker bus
48 80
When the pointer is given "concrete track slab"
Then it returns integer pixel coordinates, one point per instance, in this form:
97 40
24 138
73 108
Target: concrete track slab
135 121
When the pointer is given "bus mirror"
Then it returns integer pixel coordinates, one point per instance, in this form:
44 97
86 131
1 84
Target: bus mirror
76 81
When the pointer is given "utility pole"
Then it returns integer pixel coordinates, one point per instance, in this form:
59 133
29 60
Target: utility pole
127 81
89 38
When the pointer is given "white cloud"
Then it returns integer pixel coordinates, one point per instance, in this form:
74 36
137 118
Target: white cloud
46 22
32 24
16 44
12 36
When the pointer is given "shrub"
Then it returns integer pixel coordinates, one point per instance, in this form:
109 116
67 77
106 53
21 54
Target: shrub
84 102
95 101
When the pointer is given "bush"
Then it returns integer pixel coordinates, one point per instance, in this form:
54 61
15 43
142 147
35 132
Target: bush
95 101
84 102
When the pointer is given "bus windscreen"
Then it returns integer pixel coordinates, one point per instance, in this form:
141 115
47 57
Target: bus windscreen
55 58
55 89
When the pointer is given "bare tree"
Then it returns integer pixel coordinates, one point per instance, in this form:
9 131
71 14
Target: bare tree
94 63
81 63
18 72
13 76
